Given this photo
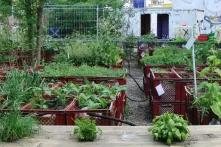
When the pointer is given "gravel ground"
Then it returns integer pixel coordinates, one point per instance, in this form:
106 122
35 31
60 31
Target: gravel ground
136 112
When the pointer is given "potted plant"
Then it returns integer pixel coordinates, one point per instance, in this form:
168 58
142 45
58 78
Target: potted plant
86 130
169 128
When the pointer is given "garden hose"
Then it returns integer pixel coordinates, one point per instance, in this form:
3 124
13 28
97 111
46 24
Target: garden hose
141 89
139 101
111 118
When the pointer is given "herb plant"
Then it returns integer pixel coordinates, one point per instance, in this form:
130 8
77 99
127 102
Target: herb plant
169 127
16 88
170 55
13 126
86 130
64 69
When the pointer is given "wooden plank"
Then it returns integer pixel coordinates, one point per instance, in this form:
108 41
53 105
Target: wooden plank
124 136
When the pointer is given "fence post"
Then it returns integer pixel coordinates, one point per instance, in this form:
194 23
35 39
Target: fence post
97 21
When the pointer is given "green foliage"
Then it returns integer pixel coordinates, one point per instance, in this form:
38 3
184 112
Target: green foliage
13 126
209 99
103 53
86 130
97 96
64 69
45 97
111 3
180 40
203 50
214 63
6 58
148 38
169 127
170 55
110 26
16 88
5 9
92 96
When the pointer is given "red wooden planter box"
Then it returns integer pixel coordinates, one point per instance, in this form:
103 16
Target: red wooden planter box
50 119
120 105
168 81
159 108
115 110
147 77
111 111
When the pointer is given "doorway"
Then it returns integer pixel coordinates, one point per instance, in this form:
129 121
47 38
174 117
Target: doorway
163 26
145 24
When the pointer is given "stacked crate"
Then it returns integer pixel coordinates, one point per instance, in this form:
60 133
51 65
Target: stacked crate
165 96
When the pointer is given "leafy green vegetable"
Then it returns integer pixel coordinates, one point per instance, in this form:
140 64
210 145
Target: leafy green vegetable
13 126
92 96
169 127
86 130
64 69
97 96
170 55
209 99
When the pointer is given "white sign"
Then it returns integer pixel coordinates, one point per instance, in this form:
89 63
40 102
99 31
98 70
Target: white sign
190 43
160 90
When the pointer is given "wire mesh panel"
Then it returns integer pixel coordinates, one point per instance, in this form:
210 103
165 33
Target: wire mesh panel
62 21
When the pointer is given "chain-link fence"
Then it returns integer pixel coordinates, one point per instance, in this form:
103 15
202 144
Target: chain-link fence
63 21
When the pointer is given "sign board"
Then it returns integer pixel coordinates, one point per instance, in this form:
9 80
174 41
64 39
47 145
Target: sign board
160 90
190 43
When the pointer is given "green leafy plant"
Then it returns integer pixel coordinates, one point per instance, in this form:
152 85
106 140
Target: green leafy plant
56 98
169 55
180 40
209 99
13 126
16 88
148 38
6 58
102 53
214 63
169 127
86 130
64 69
203 50
97 96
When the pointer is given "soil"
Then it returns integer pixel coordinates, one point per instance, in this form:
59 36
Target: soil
137 109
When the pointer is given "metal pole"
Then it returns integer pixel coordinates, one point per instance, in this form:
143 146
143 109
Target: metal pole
194 66
97 21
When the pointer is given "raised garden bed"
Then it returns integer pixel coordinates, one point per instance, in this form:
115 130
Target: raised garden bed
50 119
158 108
114 109
110 111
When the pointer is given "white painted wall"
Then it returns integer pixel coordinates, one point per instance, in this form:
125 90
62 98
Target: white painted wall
176 18
179 18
